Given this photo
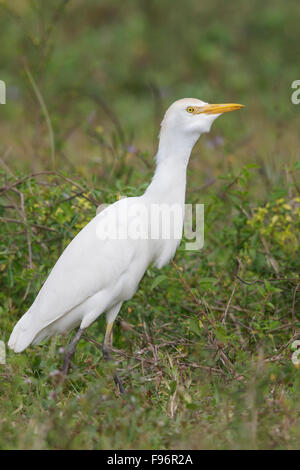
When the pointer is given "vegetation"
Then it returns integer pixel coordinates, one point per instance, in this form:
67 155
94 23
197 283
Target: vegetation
205 346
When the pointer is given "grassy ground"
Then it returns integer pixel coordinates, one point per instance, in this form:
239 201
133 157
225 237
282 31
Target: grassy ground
204 347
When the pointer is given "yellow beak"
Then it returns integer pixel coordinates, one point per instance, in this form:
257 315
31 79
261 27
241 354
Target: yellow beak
219 108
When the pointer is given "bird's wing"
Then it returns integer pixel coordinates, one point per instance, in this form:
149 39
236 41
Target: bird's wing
88 265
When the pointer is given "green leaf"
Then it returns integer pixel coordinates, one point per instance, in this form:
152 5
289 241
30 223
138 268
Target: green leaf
252 165
173 386
297 165
158 280
208 280
194 326
220 333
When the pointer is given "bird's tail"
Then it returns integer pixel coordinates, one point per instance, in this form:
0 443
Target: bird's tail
22 334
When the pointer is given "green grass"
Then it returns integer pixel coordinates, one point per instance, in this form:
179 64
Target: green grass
192 379
204 347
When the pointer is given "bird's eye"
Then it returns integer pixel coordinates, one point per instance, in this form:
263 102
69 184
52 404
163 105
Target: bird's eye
190 109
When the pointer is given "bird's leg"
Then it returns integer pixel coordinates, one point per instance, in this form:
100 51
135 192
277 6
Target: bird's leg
107 344
71 351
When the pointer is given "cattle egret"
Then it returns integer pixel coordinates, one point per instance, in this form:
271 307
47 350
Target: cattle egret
94 274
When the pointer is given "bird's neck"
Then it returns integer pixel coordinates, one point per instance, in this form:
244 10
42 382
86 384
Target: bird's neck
169 180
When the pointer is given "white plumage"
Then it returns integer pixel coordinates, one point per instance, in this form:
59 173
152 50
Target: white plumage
93 276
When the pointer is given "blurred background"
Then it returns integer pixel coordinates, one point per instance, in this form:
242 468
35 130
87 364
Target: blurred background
106 71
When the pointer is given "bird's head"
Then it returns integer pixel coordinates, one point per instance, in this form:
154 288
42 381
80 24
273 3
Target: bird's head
190 117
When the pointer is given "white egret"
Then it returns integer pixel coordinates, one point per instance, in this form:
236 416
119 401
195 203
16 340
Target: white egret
95 275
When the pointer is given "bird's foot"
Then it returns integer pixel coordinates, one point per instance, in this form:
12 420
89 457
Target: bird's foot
106 352
107 357
119 383
70 351
67 363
